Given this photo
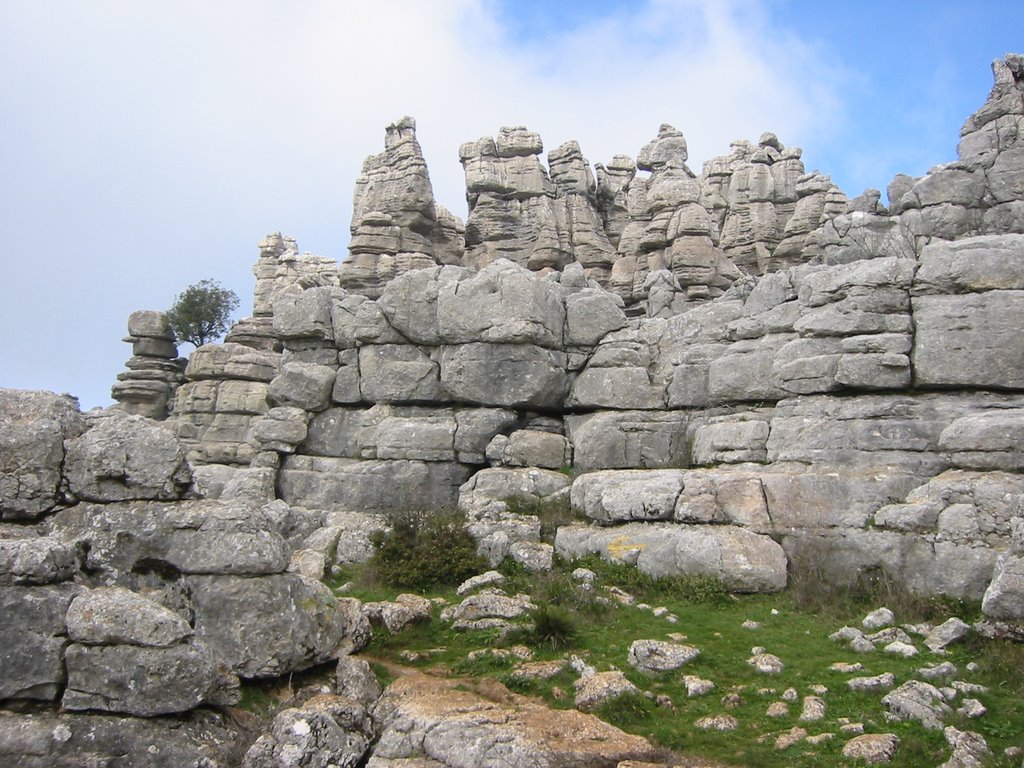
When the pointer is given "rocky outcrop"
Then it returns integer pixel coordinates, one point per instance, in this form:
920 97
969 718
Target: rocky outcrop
154 372
396 224
420 717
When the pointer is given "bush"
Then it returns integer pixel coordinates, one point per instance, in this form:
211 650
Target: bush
201 312
422 549
553 627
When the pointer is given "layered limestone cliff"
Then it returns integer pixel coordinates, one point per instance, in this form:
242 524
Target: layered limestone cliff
730 374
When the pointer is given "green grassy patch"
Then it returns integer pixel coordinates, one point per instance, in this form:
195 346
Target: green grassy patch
575 621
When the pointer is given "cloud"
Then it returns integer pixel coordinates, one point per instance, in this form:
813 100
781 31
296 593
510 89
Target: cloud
149 145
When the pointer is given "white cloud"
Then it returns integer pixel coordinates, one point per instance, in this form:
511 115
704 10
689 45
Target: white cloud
153 144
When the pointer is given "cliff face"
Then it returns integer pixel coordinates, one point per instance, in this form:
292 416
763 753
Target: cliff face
736 372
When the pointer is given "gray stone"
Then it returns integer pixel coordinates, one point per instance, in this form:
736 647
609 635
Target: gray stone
51 739
36 560
396 373
881 617
660 656
617 496
628 439
308 563
969 340
948 632
369 486
1004 598
325 731
971 265
192 537
530 448
590 315
397 614
232 361
305 315
915 700
33 637
872 748
144 681
281 430
114 615
883 682
595 690
513 375
741 560
354 679
122 457
271 625
303 385
430 438
970 750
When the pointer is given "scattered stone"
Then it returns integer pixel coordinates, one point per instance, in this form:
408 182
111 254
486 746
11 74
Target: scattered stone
950 631
861 645
787 739
877 619
890 635
749 624
945 669
873 748
817 688
717 723
790 695
326 730
971 708
915 700
820 738
901 649
538 670
488 579
584 576
970 750
594 690
777 709
883 682
968 688
659 656
697 686
852 728
813 709
354 679
732 701
846 668
766 663
396 615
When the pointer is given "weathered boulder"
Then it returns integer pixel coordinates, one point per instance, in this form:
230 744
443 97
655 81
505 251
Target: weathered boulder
660 656
33 428
35 559
325 731
124 457
448 721
33 637
272 625
145 681
619 496
63 739
741 560
191 537
114 615
505 375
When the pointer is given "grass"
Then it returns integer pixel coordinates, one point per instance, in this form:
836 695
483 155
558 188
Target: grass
712 620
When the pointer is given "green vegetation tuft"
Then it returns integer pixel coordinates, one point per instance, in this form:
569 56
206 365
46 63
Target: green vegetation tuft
421 549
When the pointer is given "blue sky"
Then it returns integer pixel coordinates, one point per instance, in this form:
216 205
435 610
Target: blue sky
146 145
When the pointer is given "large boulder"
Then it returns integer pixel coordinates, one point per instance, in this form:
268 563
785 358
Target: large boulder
191 537
33 428
124 457
505 375
271 625
743 561
33 637
447 722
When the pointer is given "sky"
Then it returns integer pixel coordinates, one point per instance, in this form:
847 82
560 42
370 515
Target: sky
146 145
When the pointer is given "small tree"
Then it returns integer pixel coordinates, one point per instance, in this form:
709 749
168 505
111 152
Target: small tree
201 312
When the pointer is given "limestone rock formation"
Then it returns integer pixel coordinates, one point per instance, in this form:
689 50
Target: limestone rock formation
396 224
154 372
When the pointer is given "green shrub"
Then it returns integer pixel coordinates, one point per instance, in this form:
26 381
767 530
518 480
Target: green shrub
553 627
626 711
422 549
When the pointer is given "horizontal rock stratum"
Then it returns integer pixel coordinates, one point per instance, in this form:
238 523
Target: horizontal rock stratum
733 375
